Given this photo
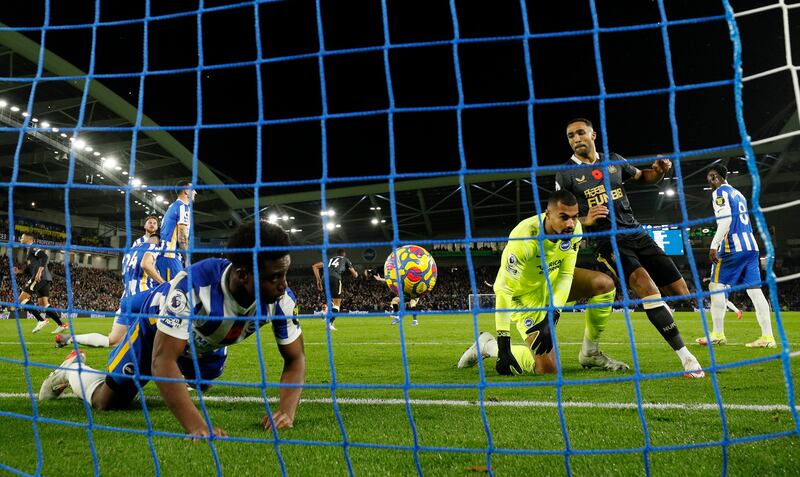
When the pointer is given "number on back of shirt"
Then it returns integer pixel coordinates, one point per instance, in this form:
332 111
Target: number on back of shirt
334 262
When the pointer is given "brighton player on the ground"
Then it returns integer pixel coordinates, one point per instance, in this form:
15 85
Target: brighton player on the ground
520 284
728 303
158 347
734 258
337 265
38 284
647 268
175 233
140 274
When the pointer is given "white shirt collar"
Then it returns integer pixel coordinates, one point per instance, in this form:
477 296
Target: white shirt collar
578 161
230 301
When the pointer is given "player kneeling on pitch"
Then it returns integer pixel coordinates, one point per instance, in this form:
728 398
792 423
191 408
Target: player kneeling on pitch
520 284
158 346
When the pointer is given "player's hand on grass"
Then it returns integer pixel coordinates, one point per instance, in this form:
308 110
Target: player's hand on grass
712 255
506 362
200 432
596 213
282 420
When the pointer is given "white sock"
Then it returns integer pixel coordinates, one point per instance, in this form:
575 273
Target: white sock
490 348
762 310
589 346
95 340
684 354
731 306
717 308
84 383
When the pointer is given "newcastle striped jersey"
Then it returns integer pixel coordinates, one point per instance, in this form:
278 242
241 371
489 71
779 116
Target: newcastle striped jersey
730 204
210 297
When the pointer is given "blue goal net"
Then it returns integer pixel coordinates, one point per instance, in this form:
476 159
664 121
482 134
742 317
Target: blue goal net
355 68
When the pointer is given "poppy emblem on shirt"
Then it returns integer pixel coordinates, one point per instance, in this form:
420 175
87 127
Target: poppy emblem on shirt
528 322
597 174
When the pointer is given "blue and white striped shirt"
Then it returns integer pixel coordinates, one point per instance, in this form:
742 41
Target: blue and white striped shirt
730 208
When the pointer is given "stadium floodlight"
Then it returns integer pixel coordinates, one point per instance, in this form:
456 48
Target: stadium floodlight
330 226
96 153
62 134
80 144
272 218
124 173
375 221
14 108
45 124
661 192
72 139
165 202
670 192
89 149
291 217
33 204
159 198
706 188
110 162
35 120
118 168
25 114
3 104
383 221
55 130
285 217
338 226
136 182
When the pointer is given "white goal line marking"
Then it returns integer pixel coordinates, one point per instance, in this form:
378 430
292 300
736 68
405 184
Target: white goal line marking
464 403
408 342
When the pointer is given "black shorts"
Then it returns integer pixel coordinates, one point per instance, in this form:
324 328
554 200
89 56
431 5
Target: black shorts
41 289
639 250
336 287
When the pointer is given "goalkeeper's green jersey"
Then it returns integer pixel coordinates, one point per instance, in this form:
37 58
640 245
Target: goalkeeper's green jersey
520 282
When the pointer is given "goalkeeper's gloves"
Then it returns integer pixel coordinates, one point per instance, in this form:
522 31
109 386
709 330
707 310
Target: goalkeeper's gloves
506 363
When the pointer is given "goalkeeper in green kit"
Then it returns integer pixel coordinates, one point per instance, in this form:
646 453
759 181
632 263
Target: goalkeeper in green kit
521 285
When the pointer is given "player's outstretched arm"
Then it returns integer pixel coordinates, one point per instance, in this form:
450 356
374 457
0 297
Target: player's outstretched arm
653 175
149 266
166 350
294 372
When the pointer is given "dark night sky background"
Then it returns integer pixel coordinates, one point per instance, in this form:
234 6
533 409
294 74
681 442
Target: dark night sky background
425 76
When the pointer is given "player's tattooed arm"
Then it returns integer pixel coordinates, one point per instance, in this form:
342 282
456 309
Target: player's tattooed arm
166 350
183 236
294 372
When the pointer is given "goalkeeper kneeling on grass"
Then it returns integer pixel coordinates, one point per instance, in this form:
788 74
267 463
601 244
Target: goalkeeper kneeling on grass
521 285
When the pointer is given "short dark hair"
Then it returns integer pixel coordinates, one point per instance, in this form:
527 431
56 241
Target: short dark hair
340 252
245 237
563 196
182 184
720 169
29 234
580 120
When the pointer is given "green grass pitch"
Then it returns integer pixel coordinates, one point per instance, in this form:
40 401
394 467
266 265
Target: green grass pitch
367 350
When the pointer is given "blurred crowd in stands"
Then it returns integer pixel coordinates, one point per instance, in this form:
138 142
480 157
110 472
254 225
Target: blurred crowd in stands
99 290
92 289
